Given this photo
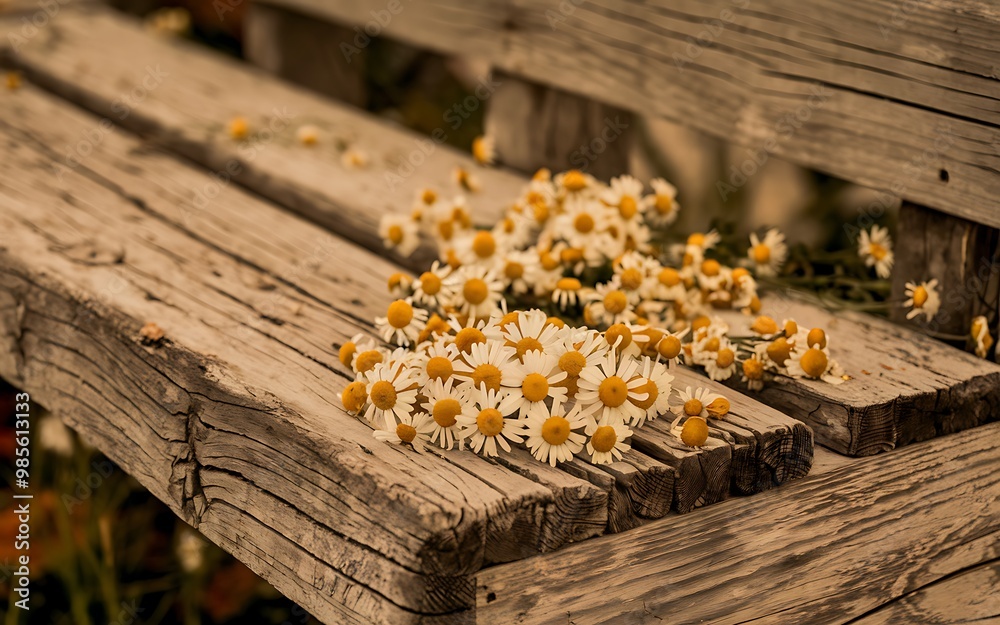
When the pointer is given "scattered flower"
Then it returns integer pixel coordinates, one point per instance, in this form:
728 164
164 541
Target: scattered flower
875 248
922 299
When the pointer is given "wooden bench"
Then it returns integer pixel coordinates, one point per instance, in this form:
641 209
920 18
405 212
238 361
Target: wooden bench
234 418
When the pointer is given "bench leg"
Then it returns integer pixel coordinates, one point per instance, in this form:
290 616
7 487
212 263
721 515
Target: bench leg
963 256
537 126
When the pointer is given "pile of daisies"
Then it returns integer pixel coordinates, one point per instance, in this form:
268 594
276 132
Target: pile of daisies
558 328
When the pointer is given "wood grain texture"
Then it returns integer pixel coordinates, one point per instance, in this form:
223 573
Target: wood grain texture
538 126
182 96
905 386
963 256
826 549
905 90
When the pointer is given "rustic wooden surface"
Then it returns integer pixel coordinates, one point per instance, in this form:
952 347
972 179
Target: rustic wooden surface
909 91
876 539
965 259
905 386
537 126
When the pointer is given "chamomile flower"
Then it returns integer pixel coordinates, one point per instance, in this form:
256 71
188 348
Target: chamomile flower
698 243
399 233
485 426
477 290
402 323
555 436
721 364
353 158
814 363
574 182
583 222
400 285
606 442
307 135
465 179
580 349
923 299
513 269
471 331
567 292
429 289
625 339
491 363
661 207
605 388
979 330
392 394
669 285
753 373
436 363
611 304
768 254
484 149
625 194
238 128
875 248
365 359
411 430
529 331
532 384
445 404
694 403
656 385
671 346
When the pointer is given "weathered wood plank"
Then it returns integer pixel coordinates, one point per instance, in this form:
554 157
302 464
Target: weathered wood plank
172 92
621 515
828 548
905 386
884 94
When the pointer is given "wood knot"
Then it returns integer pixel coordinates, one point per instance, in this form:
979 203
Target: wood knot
92 252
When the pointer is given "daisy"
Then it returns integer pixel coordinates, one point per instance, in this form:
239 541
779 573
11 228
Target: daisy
492 364
437 362
532 384
744 288
484 149
580 350
485 426
471 331
307 135
409 431
980 333
512 267
698 243
607 441
694 403
669 285
554 436
626 339
671 346
753 373
611 304
923 299
768 254
354 396
721 365
875 248
546 273
815 363
392 394
399 233
661 207
694 432
364 360
567 292
402 323
625 194
530 331
445 404
465 179
656 384
354 158
574 181
400 285
477 290
429 289
605 388
583 222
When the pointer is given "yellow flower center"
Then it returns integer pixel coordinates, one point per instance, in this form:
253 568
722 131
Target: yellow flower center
528 344
652 393
613 391
711 268
664 204
779 350
791 328
555 430
604 439
615 302
383 395
669 277
541 211
628 207
816 338
739 273
445 412
616 332
487 374
764 325
462 216
367 360
510 317
700 322
878 251
354 396
718 408
439 368
755 304
725 357
584 223
919 297
446 229
467 337
535 387
483 244
697 239
513 270
572 363
430 283
568 284
347 351
452 259
475 291
695 432
406 433
761 254
753 368
712 344
693 407
400 314
395 234
814 362
574 180
490 421
428 196
571 255
555 321
669 347
396 280
549 262
631 279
